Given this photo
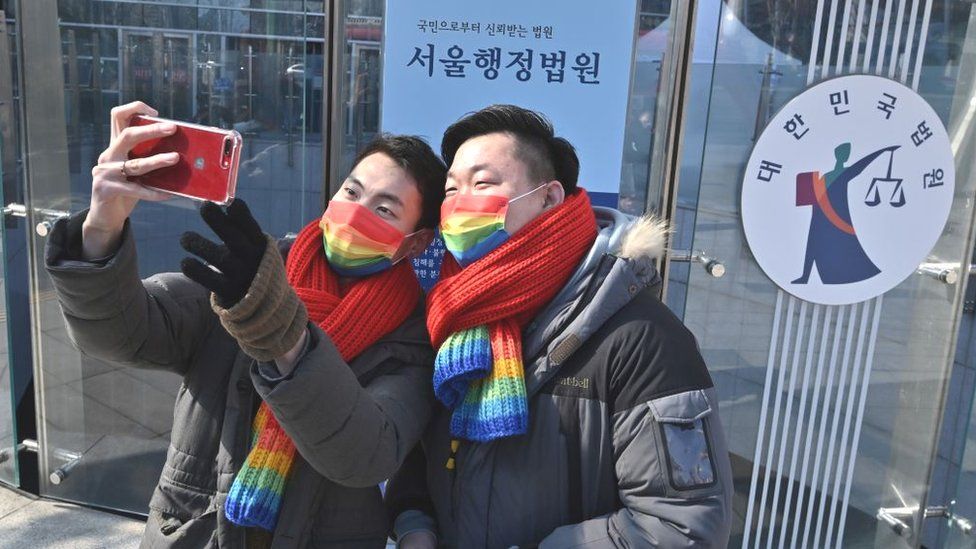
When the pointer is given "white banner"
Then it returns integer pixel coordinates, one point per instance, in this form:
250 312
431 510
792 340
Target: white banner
570 60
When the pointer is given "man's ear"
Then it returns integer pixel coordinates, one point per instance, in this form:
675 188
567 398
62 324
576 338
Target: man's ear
555 194
418 242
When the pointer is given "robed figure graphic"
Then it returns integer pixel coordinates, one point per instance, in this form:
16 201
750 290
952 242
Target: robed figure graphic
832 242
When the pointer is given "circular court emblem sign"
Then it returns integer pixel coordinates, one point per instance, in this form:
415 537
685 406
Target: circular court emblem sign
847 189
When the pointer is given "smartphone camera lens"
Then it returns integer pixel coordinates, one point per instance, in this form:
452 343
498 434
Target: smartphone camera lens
228 150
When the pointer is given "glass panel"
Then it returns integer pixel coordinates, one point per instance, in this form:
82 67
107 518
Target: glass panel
835 444
252 67
954 474
359 80
10 247
654 39
8 424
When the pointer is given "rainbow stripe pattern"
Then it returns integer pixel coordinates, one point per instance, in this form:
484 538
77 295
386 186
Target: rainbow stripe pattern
255 496
479 374
357 241
473 225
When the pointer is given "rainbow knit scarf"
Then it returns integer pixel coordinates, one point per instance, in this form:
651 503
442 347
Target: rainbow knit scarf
255 497
478 372
355 319
476 316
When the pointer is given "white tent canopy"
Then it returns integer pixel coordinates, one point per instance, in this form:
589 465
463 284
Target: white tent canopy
736 43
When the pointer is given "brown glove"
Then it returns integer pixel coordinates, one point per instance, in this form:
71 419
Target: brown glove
270 319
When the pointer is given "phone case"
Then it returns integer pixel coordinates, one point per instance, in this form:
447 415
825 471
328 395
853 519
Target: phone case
209 158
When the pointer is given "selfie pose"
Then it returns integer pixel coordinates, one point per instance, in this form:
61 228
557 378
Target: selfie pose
576 410
306 363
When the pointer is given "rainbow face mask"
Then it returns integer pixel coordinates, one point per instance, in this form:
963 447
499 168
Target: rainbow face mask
474 224
357 241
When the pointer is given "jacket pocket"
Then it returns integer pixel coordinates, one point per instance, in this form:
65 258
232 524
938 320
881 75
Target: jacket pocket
165 530
179 501
685 444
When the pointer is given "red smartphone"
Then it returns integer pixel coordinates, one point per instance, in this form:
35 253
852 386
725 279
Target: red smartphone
209 157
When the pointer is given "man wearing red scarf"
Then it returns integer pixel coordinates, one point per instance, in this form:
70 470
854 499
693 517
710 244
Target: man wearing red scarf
576 410
305 362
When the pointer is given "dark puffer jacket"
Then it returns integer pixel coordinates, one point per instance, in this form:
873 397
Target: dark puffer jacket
625 447
353 424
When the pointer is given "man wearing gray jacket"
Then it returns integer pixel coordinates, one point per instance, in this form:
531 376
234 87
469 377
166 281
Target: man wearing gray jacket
612 436
305 375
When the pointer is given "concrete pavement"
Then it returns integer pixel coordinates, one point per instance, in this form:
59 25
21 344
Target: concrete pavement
29 522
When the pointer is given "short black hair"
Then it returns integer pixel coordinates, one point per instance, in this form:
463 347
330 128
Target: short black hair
414 155
546 156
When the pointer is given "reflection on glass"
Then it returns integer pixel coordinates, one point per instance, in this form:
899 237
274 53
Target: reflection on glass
8 426
653 39
360 78
12 288
954 472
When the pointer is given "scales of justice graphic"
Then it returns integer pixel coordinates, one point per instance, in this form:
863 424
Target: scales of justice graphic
848 189
832 242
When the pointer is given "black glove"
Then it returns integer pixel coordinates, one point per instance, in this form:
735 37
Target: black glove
250 293
237 259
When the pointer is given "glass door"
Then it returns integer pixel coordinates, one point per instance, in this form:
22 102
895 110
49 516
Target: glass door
956 462
159 66
364 104
8 423
847 399
104 429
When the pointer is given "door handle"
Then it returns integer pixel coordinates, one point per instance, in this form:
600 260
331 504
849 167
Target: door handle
947 273
944 272
895 518
47 216
963 524
70 459
712 266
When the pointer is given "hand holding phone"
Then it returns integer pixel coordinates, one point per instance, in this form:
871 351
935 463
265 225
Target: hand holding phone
207 168
114 196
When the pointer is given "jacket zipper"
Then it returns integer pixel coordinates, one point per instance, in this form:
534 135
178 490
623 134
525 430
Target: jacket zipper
599 275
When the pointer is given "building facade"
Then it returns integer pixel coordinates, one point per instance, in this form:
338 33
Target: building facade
849 425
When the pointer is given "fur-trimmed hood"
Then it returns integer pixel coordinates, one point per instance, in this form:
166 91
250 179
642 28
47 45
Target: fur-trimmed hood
620 264
644 237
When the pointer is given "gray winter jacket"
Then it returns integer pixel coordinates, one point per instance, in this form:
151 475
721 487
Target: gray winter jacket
625 447
353 424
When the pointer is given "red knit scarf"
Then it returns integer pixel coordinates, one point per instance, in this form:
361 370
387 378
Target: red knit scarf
371 308
502 292
353 319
